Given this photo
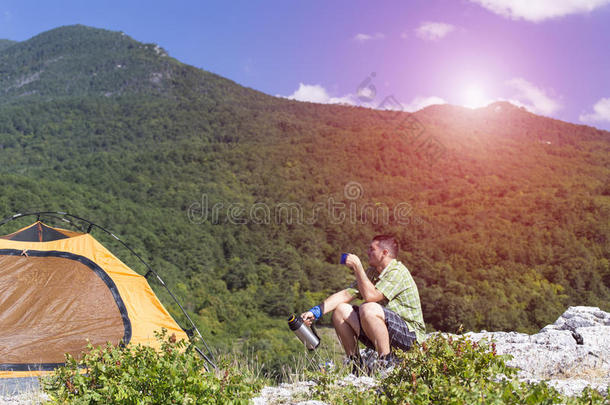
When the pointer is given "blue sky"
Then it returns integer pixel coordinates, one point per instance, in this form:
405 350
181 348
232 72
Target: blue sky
551 56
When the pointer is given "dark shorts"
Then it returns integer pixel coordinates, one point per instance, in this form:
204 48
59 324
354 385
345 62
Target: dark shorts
400 335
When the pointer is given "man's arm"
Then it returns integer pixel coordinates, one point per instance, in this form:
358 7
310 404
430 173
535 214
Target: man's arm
329 305
365 286
337 298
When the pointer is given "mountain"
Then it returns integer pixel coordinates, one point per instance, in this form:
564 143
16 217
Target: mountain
84 61
78 60
244 201
5 43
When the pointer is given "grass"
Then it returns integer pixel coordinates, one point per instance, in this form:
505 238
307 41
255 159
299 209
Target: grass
329 352
15 391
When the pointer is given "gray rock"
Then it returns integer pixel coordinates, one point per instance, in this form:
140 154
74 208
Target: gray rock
282 393
552 354
575 323
579 317
557 354
287 393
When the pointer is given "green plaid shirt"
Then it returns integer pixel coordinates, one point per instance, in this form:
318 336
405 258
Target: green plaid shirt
401 294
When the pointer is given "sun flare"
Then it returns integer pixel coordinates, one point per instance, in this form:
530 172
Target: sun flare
473 96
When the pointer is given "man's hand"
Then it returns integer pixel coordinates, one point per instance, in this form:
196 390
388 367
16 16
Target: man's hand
308 318
353 261
365 286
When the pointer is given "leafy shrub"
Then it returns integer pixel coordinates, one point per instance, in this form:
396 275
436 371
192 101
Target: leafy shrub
448 371
142 375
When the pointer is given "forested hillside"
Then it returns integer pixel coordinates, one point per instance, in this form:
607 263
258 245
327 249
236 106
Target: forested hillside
4 43
244 201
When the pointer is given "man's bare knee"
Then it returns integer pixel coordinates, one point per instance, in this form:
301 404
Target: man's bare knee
371 309
342 312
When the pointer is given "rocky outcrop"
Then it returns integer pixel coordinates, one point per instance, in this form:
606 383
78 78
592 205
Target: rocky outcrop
291 393
572 353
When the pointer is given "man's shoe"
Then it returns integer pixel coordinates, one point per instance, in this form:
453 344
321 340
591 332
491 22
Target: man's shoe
369 357
356 363
384 365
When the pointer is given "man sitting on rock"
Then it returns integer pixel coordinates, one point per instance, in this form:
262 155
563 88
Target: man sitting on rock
390 316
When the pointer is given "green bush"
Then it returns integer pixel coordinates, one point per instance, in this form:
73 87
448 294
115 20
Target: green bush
459 371
443 370
448 371
142 375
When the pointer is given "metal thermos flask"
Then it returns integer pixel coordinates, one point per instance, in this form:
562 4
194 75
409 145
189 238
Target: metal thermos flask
306 335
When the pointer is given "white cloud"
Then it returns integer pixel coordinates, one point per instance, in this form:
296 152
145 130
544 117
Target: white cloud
514 102
421 102
433 31
540 10
315 93
601 112
532 97
368 37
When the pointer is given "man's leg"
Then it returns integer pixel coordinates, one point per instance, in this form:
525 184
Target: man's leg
347 326
372 321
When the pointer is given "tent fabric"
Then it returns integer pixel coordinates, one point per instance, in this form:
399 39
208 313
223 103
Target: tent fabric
39 232
59 293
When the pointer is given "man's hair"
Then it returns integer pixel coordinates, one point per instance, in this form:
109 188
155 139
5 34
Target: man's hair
388 242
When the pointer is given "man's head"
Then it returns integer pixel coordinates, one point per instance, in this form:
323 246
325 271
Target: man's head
382 250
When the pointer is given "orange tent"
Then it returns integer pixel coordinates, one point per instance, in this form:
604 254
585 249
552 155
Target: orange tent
60 289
